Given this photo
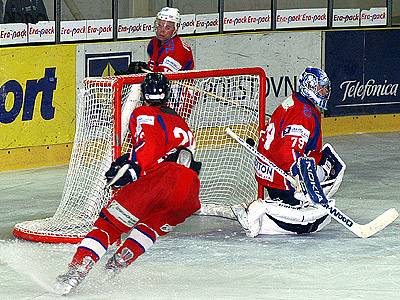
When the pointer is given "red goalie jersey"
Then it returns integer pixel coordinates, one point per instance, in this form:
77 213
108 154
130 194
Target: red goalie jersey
172 56
294 130
156 132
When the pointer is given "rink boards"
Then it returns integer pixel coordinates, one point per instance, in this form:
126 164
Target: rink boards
40 84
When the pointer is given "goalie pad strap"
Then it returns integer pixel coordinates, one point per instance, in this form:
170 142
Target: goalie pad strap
292 214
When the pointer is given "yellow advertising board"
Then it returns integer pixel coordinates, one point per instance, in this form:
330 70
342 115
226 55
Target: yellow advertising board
37 101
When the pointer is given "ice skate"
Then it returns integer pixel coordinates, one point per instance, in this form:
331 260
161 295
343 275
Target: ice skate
240 213
118 262
76 273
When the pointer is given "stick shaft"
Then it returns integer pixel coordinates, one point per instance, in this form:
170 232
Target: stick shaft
253 151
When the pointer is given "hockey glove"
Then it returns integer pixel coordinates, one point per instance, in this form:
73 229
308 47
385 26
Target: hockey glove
333 169
184 157
122 172
135 67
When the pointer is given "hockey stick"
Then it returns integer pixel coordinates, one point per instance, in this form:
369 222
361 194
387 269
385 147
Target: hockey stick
219 98
362 231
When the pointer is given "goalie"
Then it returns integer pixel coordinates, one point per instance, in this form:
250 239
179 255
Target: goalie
156 187
293 133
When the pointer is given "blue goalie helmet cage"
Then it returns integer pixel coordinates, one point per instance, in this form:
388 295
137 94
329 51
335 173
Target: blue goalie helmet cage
155 89
315 85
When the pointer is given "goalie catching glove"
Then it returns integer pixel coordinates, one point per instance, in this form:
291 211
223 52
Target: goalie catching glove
122 172
326 176
332 167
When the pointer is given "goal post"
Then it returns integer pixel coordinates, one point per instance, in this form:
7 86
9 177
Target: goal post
209 100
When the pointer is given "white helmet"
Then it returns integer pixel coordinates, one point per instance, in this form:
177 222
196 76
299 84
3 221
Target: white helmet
170 14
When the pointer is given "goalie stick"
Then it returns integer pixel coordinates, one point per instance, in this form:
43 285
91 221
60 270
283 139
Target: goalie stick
360 230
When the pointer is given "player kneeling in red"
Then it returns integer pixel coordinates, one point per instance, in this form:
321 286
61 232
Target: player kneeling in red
156 187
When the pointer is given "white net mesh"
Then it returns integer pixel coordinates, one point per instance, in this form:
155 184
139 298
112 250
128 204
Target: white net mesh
208 103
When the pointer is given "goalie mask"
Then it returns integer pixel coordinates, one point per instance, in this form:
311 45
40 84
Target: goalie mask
315 85
155 89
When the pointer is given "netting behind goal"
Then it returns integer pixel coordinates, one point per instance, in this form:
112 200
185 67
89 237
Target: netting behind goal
209 100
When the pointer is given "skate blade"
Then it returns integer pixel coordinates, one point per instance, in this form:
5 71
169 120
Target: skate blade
241 215
62 288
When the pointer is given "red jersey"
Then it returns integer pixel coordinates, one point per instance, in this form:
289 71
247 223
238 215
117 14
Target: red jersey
156 132
154 204
294 130
172 56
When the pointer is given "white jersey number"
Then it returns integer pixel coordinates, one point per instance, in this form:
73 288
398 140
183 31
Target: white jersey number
298 141
270 133
186 136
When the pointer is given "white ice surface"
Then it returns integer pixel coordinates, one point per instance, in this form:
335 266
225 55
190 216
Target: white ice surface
211 258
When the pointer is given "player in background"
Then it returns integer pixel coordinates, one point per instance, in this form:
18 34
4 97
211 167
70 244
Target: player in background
156 187
293 131
167 52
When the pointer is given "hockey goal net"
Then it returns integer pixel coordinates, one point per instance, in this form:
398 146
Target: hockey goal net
210 101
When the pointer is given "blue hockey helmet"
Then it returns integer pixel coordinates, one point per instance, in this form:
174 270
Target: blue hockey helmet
155 89
315 85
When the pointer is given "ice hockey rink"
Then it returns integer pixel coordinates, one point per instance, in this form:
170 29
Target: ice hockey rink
211 258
